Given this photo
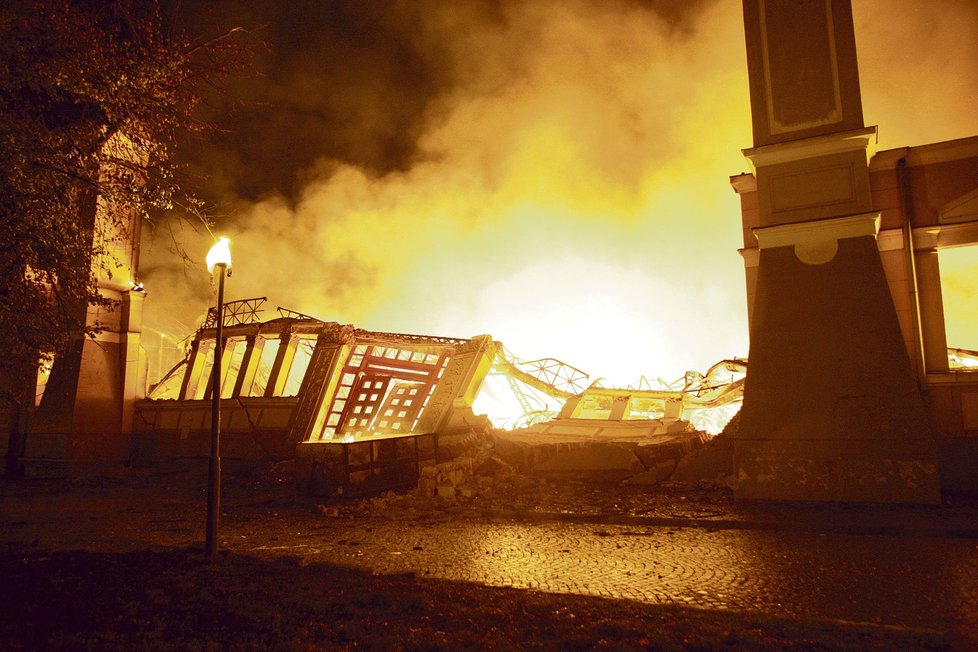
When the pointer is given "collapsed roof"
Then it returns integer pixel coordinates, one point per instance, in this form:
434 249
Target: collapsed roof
298 379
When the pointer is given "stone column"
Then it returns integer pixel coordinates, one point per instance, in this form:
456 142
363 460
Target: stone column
85 416
831 407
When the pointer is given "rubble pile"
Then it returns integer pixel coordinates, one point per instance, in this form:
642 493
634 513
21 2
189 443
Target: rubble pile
519 496
482 481
488 487
447 480
712 463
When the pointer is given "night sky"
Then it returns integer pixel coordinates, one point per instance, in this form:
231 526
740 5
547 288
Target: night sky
552 172
353 82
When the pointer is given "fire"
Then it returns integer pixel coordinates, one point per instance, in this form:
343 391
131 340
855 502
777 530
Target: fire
571 211
569 193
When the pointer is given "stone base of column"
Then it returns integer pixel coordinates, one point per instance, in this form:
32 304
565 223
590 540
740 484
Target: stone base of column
832 411
877 471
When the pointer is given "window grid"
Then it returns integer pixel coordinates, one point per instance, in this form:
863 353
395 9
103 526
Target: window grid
382 389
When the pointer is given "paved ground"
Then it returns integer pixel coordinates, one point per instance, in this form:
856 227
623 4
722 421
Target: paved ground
905 567
896 580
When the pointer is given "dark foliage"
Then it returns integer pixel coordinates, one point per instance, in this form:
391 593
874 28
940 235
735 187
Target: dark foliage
93 96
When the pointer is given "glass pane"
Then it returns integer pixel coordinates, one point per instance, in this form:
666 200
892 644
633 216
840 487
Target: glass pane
204 379
959 290
169 387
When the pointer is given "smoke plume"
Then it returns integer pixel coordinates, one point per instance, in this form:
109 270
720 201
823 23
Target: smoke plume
553 173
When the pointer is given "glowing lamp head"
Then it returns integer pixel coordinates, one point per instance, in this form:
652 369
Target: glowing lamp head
219 254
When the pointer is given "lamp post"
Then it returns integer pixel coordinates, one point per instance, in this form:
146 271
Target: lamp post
219 259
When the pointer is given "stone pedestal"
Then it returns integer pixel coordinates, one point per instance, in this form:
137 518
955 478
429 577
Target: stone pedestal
831 409
86 412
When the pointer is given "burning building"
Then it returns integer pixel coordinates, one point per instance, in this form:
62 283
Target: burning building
364 409
295 383
291 383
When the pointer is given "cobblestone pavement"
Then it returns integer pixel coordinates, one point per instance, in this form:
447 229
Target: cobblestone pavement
904 581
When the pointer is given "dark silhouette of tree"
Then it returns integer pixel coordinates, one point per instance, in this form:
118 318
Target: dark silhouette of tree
93 97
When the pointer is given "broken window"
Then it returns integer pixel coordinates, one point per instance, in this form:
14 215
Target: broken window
381 390
169 387
362 410
300 363
205 353
269 351
234 352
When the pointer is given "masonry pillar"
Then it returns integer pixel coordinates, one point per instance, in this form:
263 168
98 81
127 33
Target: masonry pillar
86 413
831 407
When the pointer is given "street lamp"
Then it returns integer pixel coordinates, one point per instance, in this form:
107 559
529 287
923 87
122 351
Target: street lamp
219 259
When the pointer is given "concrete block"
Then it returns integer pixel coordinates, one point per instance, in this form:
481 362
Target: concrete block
426 487
446 491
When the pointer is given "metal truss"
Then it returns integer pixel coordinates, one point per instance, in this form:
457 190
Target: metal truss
551 376
292 314
406 338
557 374
244 311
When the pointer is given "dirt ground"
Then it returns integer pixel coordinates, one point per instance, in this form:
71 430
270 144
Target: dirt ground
115 562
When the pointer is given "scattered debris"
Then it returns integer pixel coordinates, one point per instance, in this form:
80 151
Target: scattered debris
486 480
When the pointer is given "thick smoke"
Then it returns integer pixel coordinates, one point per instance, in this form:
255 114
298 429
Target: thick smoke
918 67
553 173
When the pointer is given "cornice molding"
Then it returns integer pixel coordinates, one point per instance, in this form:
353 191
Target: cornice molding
808 148
834 228
817 241
744 183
